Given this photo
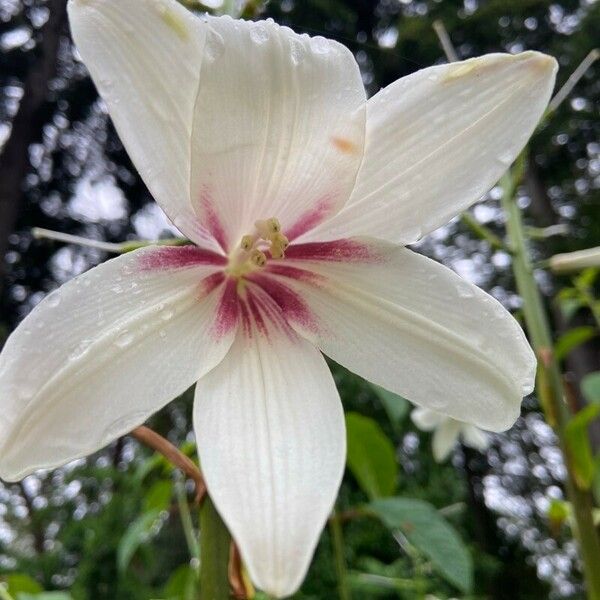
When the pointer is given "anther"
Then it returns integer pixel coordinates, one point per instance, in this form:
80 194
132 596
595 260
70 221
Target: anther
258 258
248 242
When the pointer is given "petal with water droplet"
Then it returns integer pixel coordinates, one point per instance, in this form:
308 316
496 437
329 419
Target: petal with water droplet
417 329
77 374
438 139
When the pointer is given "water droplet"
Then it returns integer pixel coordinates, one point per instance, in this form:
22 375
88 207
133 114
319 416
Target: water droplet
124 339
259 34
80 350
54 299
297 52
215 47
505 158
162 334
167 314
320 45
117 289
465 292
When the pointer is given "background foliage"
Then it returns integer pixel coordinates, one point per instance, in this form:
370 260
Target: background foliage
114 526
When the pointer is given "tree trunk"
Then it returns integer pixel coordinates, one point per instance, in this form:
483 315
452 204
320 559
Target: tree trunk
28 123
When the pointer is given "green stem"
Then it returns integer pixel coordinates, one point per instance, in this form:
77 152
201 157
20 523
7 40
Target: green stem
186 520
4 595
549 382
214 550
337 543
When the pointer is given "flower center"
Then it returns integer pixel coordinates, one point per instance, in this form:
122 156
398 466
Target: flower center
256 248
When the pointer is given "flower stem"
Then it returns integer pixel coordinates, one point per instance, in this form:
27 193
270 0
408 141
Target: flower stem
4 595
186 520
549 381
337 543
214 551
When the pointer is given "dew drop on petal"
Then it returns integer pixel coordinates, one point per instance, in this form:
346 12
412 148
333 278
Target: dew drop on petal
505 158
215 47
320 45
54 299
166 314
259 34
297 52
124 339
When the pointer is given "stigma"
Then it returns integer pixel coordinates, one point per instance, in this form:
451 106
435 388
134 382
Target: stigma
251 253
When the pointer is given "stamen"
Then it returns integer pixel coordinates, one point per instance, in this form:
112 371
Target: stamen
248 242
268 227
258 258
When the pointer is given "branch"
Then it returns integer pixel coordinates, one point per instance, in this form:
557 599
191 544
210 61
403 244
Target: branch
153 440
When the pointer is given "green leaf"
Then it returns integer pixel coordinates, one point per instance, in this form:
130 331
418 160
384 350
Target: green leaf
137 533
21 582
371 456
396 406
580 451
158 497
431 534
45 596
181 585
569 307
573 338
590 386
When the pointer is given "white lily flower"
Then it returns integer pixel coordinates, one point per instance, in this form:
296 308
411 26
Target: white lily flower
447 432
261 147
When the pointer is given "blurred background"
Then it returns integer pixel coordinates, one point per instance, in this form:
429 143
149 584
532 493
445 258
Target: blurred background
114 526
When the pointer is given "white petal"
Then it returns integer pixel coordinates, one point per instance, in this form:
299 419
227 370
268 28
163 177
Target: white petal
475 438
97 357
227 121
270 431
279 127
444 439
425 419
144 56
414 327
438 139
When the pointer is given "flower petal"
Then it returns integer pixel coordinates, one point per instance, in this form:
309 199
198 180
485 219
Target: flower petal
279 127
425 419
144 57
444 439
475 438
227 121
414 327
270 431
97 357
438 139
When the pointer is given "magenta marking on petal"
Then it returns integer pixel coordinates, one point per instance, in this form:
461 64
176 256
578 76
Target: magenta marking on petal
256 314
291 304
311 218
228 310
176 257
280 268
211 221
208 284
343 250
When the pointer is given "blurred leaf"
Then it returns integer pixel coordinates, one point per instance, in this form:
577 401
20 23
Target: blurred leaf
590 386
431 534
569 306
581 456
137 533
46 596
158 497
558 513
396 406
371 456
21 582
573 338
181 584
586 278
